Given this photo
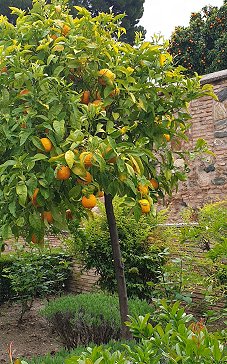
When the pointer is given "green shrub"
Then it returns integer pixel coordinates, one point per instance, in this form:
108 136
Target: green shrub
187 272
5 286
211 228
90 317
31 275
175 338
142 260
60 356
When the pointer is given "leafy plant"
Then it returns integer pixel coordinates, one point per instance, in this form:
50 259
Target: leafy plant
90 317
173 341
187 272
37 275
59 147
142 259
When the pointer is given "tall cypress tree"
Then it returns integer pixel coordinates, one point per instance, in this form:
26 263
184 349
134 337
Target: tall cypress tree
132 8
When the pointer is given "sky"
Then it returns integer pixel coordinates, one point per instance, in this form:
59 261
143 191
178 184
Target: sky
163 15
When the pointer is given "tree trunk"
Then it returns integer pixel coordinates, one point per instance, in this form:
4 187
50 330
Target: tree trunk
118 266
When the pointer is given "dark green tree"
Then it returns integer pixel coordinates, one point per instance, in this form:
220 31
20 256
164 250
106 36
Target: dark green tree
202 46
5 10
133 10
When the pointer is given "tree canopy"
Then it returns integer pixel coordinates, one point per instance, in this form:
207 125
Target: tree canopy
133 10
82 112
202 46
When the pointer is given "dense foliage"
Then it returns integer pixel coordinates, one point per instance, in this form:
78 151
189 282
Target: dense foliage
202 46
133 10
197 261
143 261
71 93
175 337
33 275
90 317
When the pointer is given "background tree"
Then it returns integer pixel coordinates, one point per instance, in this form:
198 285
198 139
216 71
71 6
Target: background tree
132 8
83 114
202 46
5 10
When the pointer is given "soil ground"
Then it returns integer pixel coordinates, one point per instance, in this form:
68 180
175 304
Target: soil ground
31 338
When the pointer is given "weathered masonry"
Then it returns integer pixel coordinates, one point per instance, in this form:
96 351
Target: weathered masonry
207 180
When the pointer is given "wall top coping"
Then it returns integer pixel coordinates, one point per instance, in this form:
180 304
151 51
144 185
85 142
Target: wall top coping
214 77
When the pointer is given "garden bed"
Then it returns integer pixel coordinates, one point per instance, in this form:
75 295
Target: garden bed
32 338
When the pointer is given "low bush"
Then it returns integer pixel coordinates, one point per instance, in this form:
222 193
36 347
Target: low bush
31 275
143 261
175 338
60 356
197 263
90 317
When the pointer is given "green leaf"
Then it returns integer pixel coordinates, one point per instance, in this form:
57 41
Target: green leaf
12 208
39 156
69 157
75 192
22 191
20 221
6 232
51 58
35 221
37 143
59 127
115 115
58 70
24 135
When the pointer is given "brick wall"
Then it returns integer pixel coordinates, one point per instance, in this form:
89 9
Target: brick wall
207 180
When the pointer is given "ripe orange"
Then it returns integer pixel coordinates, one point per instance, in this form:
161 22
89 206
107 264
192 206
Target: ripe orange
54 36
100 194
143 189
85 180
105 76
34 197
86 158
24 92
98 102
154 183
47 215
89 202
35 239
47 145
65 29
63 173
167 137
145 206
4 70
85 97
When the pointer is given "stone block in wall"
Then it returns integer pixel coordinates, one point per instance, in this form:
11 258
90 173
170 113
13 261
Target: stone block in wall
83 281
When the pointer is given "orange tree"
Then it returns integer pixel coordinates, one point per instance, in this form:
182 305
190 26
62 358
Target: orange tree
81 114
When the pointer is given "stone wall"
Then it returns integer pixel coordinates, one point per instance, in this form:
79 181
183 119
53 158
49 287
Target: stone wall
207 180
